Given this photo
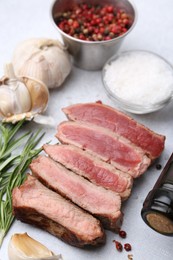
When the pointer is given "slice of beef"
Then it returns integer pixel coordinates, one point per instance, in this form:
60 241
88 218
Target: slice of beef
35 204
103 204
90 167
105 144
108 117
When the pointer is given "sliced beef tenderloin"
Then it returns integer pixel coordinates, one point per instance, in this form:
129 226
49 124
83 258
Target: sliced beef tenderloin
35 204
92 168
105 144
103 204
108 117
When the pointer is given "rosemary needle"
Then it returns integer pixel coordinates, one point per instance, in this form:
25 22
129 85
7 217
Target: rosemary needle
13 167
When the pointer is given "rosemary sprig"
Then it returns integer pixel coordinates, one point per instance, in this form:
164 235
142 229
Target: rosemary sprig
13 168
7 141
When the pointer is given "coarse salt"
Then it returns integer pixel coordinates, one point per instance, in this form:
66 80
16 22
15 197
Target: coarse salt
140 78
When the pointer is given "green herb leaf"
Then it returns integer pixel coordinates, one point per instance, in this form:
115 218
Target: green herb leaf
13 167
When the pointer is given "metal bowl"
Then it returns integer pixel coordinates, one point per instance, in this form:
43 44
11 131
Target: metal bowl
86 54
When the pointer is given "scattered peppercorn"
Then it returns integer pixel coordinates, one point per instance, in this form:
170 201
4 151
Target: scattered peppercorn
94 22
122 234
127 247
99 101
118 245
158 166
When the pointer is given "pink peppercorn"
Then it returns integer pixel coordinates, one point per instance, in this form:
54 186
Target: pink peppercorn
94 22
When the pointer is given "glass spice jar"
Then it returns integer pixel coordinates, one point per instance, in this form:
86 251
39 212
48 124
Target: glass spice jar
157 211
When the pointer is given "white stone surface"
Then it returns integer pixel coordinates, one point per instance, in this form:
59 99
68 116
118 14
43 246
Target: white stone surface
20 20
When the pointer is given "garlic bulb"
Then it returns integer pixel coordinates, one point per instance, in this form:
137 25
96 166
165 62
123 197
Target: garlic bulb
21 97
43 59
23 247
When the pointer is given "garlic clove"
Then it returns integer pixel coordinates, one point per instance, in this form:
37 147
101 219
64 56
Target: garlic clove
23 247
6 107
21 97
43 59
12 102
39 94
15 97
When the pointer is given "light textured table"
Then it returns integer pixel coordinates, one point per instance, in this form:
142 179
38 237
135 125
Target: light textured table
20 20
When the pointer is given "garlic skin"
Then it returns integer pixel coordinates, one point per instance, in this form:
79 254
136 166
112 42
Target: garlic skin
23 247
21 97
43 59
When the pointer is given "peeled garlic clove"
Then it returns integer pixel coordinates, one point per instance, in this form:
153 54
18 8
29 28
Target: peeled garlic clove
23 247
44 59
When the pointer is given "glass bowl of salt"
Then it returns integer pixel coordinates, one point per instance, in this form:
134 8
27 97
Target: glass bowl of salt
138 81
